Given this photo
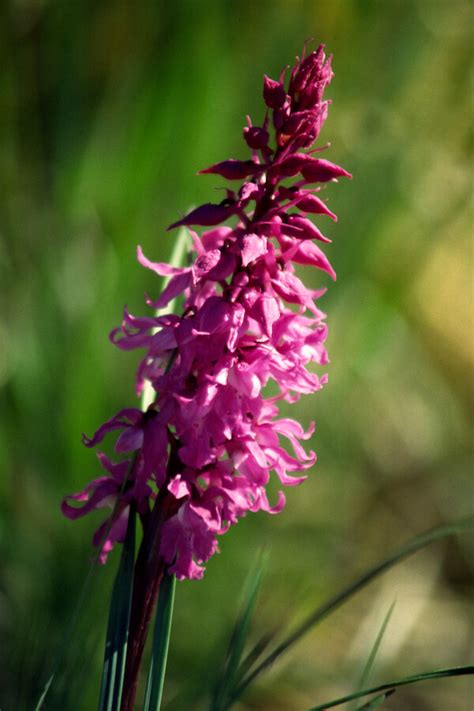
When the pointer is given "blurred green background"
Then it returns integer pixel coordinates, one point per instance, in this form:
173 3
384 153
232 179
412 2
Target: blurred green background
108 109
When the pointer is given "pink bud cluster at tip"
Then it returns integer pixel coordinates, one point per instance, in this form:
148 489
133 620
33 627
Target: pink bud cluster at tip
211 438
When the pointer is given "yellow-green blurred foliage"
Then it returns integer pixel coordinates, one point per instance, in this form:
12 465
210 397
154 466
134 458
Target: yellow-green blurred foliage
108 109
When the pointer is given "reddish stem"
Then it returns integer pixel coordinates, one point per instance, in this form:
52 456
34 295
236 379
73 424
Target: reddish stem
148 573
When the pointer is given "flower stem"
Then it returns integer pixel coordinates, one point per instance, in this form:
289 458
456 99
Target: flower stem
149 570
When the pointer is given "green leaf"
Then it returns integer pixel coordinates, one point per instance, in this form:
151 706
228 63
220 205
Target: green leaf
117 629
426 676
320 613
228 677
375 648
161 640
376 701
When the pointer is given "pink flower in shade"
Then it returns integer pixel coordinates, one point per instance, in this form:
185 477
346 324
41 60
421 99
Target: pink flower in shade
212 437
109 492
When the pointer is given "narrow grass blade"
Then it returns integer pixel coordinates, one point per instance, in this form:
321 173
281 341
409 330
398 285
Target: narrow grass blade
375 648
320 613
42 698
161 640
376 701
238 638
117 628
426 676
69 630
255 653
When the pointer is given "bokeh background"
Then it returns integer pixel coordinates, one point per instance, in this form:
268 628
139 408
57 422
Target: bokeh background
108 109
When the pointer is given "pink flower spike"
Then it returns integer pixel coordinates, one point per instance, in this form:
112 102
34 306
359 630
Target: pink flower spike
248 335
